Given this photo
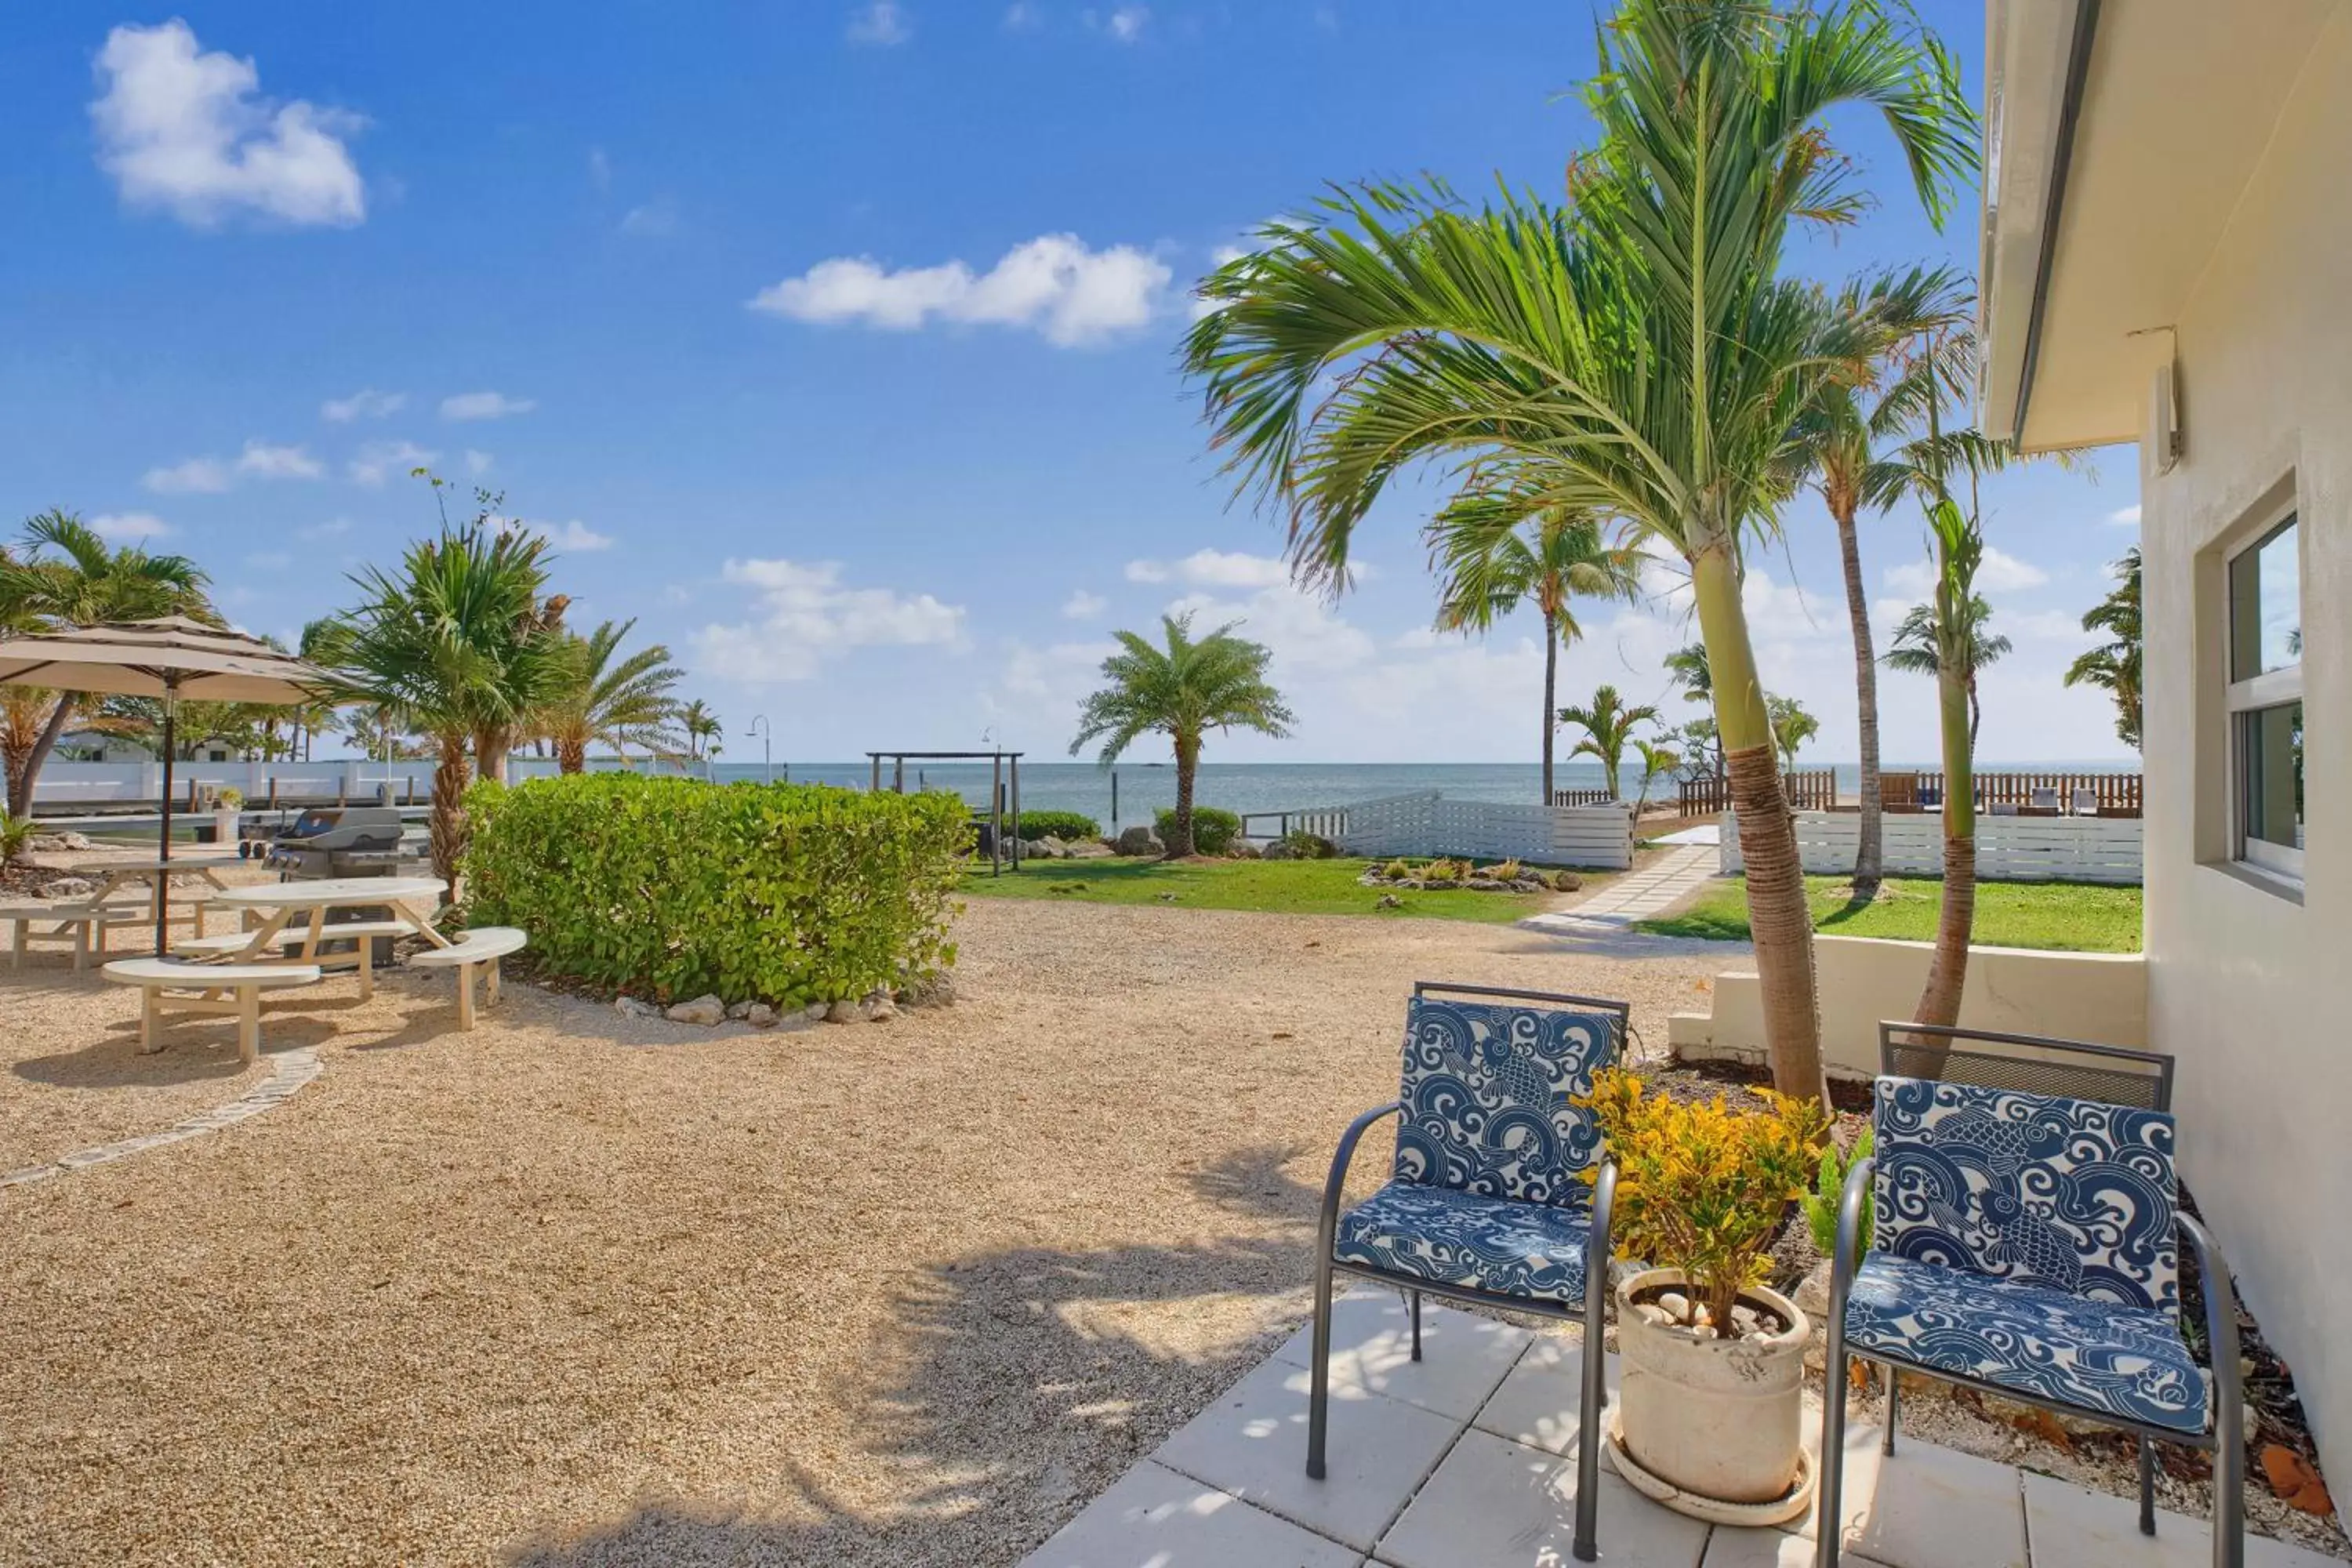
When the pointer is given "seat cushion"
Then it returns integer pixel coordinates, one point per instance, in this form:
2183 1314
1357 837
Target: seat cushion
2097 1357
1529 1250
1489 1091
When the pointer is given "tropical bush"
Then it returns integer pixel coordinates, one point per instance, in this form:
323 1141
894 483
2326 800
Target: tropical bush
1504 870
1438 871
1306 846
1068 825
16 832
1701 1187
667 887
1213 831
1396 871
1829 1186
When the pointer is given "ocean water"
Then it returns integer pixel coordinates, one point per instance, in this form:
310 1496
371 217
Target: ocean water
1144 789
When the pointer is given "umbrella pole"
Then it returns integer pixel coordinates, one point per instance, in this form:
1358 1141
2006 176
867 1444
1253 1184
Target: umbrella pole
163 875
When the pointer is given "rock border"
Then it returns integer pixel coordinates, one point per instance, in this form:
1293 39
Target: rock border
290 1071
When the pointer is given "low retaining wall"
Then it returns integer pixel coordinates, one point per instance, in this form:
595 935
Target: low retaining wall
2009 848
1429 824
2100 996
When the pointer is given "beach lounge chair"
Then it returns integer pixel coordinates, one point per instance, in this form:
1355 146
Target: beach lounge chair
1486 1204
2044 801
2026 1246
2086 801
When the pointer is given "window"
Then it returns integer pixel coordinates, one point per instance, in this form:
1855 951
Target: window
2265 702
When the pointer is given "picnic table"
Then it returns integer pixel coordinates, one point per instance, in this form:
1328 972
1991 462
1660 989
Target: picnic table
293 921
149 871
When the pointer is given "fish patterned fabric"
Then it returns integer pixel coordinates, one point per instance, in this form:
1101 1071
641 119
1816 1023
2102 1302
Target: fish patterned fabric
2092 1356
1486 1095
2070 1195
1533 1251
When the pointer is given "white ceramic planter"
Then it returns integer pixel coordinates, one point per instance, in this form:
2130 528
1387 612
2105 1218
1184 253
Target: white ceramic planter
1714 1422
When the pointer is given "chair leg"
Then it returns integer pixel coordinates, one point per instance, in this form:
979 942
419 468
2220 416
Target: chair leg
1894 1403
1417 1323
2148 1486
1831 1524
1319 1395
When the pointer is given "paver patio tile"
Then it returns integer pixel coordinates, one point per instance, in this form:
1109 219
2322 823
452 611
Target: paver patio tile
1536 1402
2073 1528
1729 1548
1154 1517
1253 1443
1925 1507
1499 1504
1464 1355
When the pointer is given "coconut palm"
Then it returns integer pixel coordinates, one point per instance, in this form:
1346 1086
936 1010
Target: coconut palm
1182 691
66 575
1658 760
456 642
701 728
1956 622
619 702
1639 356
1608 724
1494 556
1919 648
2114 665
1793 726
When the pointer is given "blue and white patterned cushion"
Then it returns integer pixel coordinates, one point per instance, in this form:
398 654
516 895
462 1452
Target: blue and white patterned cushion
1486 1097
1461 1238
2071 1195
2092 1356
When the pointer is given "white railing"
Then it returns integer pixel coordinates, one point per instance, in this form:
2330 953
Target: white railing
1429 824
68 784
2009 848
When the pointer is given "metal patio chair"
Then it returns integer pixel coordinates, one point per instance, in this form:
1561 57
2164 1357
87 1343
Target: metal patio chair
1486 1204
2024 1222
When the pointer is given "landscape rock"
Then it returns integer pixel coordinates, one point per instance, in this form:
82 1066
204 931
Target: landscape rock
70 888
1389 902
1567 881
1053 846
816 1012
759 1016
1487 884
739 1010
844 1011
1141 840
704 1010
1278 851
1242 849
880 1009
1092 849
630 1007
928 991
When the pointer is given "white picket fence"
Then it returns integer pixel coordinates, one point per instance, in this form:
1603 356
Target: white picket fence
2009 848
1429 824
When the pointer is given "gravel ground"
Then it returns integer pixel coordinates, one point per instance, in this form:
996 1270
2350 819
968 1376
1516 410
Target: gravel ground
575 1288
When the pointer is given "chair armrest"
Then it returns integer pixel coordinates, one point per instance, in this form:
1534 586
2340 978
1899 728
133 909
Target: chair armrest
1327 1225
1842 1258
2222 1344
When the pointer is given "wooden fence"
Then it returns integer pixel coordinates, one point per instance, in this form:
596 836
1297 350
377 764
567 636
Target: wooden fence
1582 797
1429 824
2009 848
1809 789
2101 795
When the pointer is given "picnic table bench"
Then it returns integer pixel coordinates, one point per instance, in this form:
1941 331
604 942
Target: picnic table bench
232 989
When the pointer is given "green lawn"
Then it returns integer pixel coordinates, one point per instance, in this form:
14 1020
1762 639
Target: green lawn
1278 887
2070 916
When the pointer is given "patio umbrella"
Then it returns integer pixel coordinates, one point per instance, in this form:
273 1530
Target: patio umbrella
171 657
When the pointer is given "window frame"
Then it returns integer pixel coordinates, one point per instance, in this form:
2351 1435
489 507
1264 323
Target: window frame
2243 698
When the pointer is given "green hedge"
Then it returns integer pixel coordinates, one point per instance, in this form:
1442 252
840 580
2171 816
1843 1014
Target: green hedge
1068 825
1213 831
670 888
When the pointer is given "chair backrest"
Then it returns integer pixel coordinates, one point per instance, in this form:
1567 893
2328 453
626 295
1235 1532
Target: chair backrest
2035 1064
2086 801
1489 1075
2074 1195
2047 799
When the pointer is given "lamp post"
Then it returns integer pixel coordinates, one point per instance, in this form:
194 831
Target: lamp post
767 733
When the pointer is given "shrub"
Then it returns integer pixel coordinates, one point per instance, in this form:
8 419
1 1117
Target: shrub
1306 846
1504 871
1396 871
1212 829
1070 827
671 886
1701 1187
1829 1186
16 832
1438 871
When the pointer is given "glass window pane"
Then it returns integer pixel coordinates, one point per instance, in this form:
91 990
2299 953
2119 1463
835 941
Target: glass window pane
2267 606
2271 763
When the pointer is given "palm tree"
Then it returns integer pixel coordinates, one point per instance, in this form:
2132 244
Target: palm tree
1793 726
457 644
621 703
701 728
1687 665
68 575
1182 691
1919 646
1494 556
2115 664
1637 356
1608 725
1658 760
1957 621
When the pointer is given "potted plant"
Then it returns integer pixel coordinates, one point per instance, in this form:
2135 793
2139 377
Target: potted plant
227 808
1712 1395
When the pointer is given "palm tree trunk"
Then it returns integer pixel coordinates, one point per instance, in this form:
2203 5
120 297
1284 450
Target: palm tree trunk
21 785
570 755
1870 856
1180 826
1975 715
448 827
1947 971
490 749
1551 714
1777 918
1609 766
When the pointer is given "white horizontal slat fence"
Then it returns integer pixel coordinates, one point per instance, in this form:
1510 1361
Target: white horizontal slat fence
2009 848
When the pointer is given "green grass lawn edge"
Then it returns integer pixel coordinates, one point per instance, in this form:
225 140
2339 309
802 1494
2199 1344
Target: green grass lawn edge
1264 887
2060 917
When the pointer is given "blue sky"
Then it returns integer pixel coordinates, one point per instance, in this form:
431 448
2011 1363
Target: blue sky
837 342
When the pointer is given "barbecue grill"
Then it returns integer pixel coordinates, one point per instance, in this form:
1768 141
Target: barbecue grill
336 841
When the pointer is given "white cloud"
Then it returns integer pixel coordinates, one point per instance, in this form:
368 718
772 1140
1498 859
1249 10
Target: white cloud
1147 572
804 615
204 476
576 535
1021 15
1053 284
267 462
485 406
882 23
129 527
1082 606
1124 22
380 460
476 463
656 219
187 132
2125 516
367 403
1998 573
1214 569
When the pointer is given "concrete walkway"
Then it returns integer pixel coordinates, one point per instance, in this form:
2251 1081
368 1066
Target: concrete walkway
1467 1459
1637 896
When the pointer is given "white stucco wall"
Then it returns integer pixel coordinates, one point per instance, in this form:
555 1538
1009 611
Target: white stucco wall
2245 985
